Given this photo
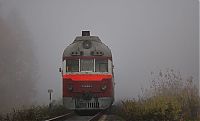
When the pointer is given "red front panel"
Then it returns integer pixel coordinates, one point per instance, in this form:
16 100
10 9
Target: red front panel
87 77
87 83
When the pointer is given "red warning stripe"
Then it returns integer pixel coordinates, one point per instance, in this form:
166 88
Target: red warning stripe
87 77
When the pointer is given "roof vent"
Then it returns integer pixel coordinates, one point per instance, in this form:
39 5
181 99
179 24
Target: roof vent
77 53
97 53
85 33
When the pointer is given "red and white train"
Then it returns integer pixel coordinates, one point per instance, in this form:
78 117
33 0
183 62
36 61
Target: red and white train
87 72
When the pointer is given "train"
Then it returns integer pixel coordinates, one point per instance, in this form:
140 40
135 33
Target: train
87 74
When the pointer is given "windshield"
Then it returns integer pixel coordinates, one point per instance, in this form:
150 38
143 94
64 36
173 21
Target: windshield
87 65
72 65
101 65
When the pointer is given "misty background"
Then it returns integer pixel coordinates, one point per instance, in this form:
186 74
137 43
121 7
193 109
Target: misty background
144 36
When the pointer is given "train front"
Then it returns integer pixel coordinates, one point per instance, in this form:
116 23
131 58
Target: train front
88 82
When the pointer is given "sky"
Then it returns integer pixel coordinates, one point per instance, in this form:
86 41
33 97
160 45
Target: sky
144 36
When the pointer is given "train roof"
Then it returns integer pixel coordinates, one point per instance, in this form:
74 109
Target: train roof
87 45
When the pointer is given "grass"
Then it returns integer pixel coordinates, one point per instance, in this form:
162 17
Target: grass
34 113
169 98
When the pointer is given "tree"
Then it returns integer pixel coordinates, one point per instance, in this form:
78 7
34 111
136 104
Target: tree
18 65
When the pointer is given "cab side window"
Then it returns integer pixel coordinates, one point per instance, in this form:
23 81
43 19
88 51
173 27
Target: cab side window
101 65
72 65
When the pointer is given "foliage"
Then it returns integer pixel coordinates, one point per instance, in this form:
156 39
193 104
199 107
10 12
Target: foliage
170 98
34 113
156 109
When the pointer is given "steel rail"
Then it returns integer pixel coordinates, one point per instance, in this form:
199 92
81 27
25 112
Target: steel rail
68 115
97 116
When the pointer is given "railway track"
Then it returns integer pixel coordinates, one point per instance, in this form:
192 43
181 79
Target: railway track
75 117
61 117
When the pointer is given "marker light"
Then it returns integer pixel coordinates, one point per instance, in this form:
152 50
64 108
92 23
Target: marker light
103 87
70 87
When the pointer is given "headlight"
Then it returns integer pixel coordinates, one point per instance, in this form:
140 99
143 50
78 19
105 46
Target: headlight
70 87
103 87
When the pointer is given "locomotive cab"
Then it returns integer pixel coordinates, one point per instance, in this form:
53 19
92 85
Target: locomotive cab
87 72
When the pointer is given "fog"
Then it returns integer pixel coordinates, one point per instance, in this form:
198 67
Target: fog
17 62
144 36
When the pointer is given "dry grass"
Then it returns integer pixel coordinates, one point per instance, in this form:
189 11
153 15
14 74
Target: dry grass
34 113
169 98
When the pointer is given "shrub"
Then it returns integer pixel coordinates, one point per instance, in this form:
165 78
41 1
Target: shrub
34 113
155 109
169 98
